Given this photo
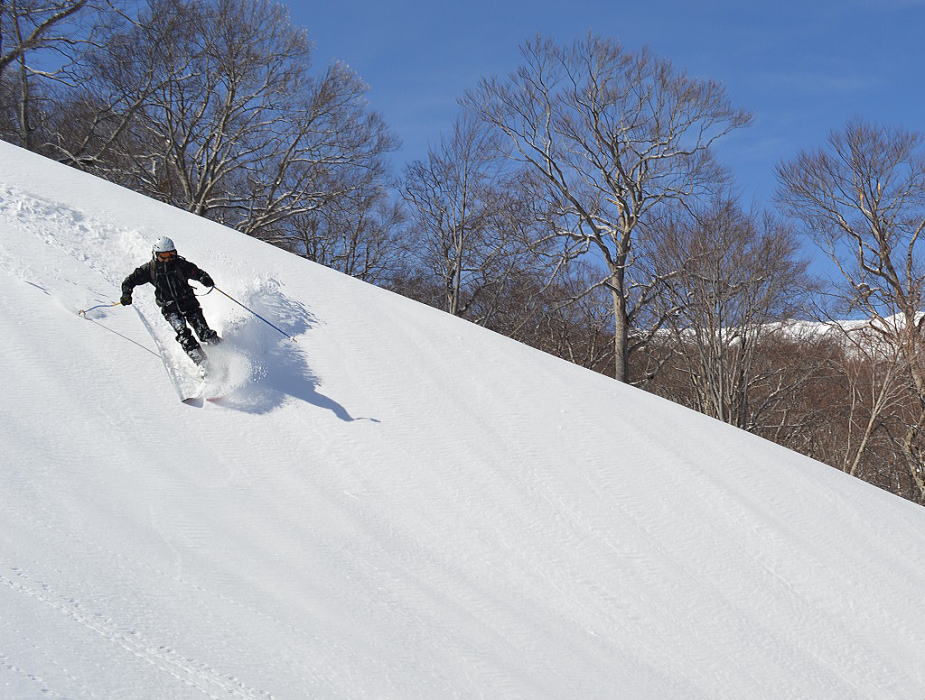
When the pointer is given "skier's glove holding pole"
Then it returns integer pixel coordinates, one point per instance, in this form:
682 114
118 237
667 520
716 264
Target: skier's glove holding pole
206 280
126 300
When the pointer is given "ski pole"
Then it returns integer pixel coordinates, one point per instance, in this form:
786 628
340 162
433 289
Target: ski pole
83 312
256 314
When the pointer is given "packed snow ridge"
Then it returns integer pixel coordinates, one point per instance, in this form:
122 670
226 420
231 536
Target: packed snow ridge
397 504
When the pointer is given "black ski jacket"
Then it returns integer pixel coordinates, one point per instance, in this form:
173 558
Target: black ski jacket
170 280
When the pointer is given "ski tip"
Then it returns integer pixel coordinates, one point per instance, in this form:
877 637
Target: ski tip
193 401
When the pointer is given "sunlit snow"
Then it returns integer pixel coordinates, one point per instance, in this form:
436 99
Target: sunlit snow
398 504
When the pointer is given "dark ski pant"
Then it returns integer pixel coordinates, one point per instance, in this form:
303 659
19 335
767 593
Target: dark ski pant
180 314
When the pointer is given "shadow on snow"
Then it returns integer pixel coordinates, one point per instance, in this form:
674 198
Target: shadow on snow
278 367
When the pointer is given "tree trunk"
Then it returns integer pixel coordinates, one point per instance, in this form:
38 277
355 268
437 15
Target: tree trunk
913 459
621 325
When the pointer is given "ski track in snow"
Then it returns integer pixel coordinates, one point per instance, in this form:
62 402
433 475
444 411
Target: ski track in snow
184 668
397 505
125 569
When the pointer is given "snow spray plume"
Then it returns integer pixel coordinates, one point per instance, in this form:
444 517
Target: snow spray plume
256 314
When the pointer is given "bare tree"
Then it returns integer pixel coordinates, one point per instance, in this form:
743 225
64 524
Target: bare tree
32 25
876 390
560 317
360 233
41 44
731 283
466 217
862 196
210 106
612 136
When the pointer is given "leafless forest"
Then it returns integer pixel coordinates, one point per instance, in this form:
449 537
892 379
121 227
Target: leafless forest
575 205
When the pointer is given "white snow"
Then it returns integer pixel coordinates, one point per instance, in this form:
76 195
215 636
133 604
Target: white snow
399 504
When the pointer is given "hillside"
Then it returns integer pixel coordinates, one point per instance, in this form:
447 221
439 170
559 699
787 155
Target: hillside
399 504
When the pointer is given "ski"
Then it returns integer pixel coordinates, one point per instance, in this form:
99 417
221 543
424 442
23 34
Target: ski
198 397
172 371
199 400
212 387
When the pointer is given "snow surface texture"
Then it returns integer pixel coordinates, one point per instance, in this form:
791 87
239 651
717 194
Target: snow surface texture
400 504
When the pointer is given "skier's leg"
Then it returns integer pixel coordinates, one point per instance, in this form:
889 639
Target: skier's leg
184 337
197 320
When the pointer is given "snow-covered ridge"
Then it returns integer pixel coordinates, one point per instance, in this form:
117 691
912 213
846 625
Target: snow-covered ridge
399 504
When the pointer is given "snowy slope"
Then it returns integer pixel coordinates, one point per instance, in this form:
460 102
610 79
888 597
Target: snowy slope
399 504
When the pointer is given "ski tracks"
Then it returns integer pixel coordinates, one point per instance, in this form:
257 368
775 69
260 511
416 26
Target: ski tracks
33 680
186 669
318 671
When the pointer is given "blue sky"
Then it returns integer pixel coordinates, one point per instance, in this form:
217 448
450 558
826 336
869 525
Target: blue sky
801 68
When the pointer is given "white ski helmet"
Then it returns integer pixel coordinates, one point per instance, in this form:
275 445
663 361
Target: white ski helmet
162 245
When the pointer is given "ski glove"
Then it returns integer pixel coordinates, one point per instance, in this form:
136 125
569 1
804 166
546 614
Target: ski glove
206 280
126 300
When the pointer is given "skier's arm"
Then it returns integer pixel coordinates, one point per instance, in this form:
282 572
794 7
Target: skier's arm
141 275
201 276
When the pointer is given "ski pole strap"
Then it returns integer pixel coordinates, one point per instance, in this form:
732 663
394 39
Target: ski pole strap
83 312
256 314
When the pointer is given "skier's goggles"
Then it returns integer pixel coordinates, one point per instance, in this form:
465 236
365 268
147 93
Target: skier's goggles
167 255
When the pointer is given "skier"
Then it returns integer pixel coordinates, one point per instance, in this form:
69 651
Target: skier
170 275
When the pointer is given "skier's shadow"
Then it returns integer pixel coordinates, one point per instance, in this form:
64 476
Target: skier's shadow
279 368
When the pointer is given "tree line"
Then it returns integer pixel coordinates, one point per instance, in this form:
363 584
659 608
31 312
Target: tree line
576 204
